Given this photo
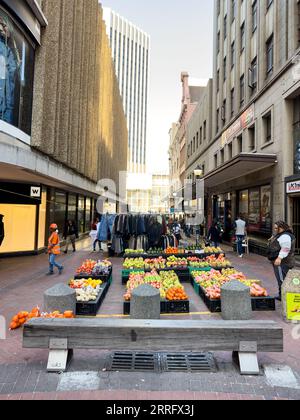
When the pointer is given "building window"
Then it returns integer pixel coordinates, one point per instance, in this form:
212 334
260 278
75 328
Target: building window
232 97
222 156
201 133
242 91
269 2
204 130
233 9
223 115
218 42
254 16
225 27
252 140
216 160
218 7
270 54
218 80
218 117
240 144
267 126
232 55
298 23
230 152
16 74
243 37
197 137
225 69
253 75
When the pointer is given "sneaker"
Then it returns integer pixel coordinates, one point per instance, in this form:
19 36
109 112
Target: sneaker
50 273
60 270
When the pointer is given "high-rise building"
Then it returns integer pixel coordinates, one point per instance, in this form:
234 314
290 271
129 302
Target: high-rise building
130 48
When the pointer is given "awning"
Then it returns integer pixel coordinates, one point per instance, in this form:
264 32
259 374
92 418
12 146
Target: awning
241 165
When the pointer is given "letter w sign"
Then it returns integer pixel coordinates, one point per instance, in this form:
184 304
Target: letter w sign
35 192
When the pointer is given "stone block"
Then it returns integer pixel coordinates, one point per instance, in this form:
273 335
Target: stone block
236 302
145 303
291 297
60 298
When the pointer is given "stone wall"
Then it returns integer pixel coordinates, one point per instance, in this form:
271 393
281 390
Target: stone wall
78 116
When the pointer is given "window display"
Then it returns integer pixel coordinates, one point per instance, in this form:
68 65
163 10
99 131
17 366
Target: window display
16 74
255 206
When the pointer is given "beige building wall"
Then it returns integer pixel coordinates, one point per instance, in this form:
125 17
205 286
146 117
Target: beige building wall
78 117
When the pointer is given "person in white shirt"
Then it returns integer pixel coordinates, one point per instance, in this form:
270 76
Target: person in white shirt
281 252
240 232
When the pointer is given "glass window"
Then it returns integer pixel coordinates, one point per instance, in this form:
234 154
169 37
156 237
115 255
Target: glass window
81 214
60 209
88 217
72 205
244 204
16 74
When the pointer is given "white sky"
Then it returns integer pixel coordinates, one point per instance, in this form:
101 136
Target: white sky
181 40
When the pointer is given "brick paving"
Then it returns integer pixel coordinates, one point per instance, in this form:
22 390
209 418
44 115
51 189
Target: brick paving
22 371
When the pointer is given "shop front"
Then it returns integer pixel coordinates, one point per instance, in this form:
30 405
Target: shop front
293 207
248 191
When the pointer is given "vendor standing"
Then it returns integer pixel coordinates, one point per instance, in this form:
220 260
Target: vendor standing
281 252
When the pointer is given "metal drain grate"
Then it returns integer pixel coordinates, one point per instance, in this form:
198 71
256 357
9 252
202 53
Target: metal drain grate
191 362
133 362
161 362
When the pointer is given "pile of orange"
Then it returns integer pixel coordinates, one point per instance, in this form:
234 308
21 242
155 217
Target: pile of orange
171 251
176 294
22 317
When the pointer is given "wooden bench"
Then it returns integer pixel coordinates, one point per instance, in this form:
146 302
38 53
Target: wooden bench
243 338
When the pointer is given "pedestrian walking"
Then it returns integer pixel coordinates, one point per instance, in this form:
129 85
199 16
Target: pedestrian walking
240 232
70 235
281 252
2 233
54 250
94 235
177 231
214 234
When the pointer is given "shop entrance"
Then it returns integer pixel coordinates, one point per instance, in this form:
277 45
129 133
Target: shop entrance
296 222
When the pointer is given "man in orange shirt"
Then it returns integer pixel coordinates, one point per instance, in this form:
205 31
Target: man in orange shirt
54 250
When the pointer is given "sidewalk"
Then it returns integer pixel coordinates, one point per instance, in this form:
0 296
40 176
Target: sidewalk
22 372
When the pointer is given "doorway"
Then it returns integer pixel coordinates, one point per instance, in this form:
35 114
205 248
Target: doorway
296 222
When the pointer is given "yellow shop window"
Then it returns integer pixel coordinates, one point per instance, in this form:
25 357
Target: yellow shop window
19 226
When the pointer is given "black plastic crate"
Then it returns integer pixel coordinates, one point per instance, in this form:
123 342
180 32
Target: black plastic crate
92 308
166 307
263 304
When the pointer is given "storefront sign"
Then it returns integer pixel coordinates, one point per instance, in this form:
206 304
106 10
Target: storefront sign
243 122
293 306
293 187
35 192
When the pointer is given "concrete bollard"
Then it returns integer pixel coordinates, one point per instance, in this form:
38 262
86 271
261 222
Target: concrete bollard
145 303
236 302
60 298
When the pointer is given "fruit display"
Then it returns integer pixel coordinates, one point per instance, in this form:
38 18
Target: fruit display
220 261
213 281
134 264
174 251
212 250
86 268
174 262
134 251
197 263
155 251
102 268
176 294
158 263
88 294
81 284
22 317
165 281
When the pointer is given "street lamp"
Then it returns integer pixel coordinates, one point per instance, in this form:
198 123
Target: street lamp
198 171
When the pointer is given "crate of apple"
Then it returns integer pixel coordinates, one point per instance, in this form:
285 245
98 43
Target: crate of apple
220 261
134 264
158 263
174 262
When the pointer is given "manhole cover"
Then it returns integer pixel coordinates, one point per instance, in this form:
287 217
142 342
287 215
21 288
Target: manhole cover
161 362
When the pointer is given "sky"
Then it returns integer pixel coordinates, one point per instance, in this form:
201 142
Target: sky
181 40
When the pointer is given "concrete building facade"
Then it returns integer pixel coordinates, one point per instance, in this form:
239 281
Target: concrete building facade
254 151
130 47
62 124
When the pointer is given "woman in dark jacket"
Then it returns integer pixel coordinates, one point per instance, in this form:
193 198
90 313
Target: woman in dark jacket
214 235
70 235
